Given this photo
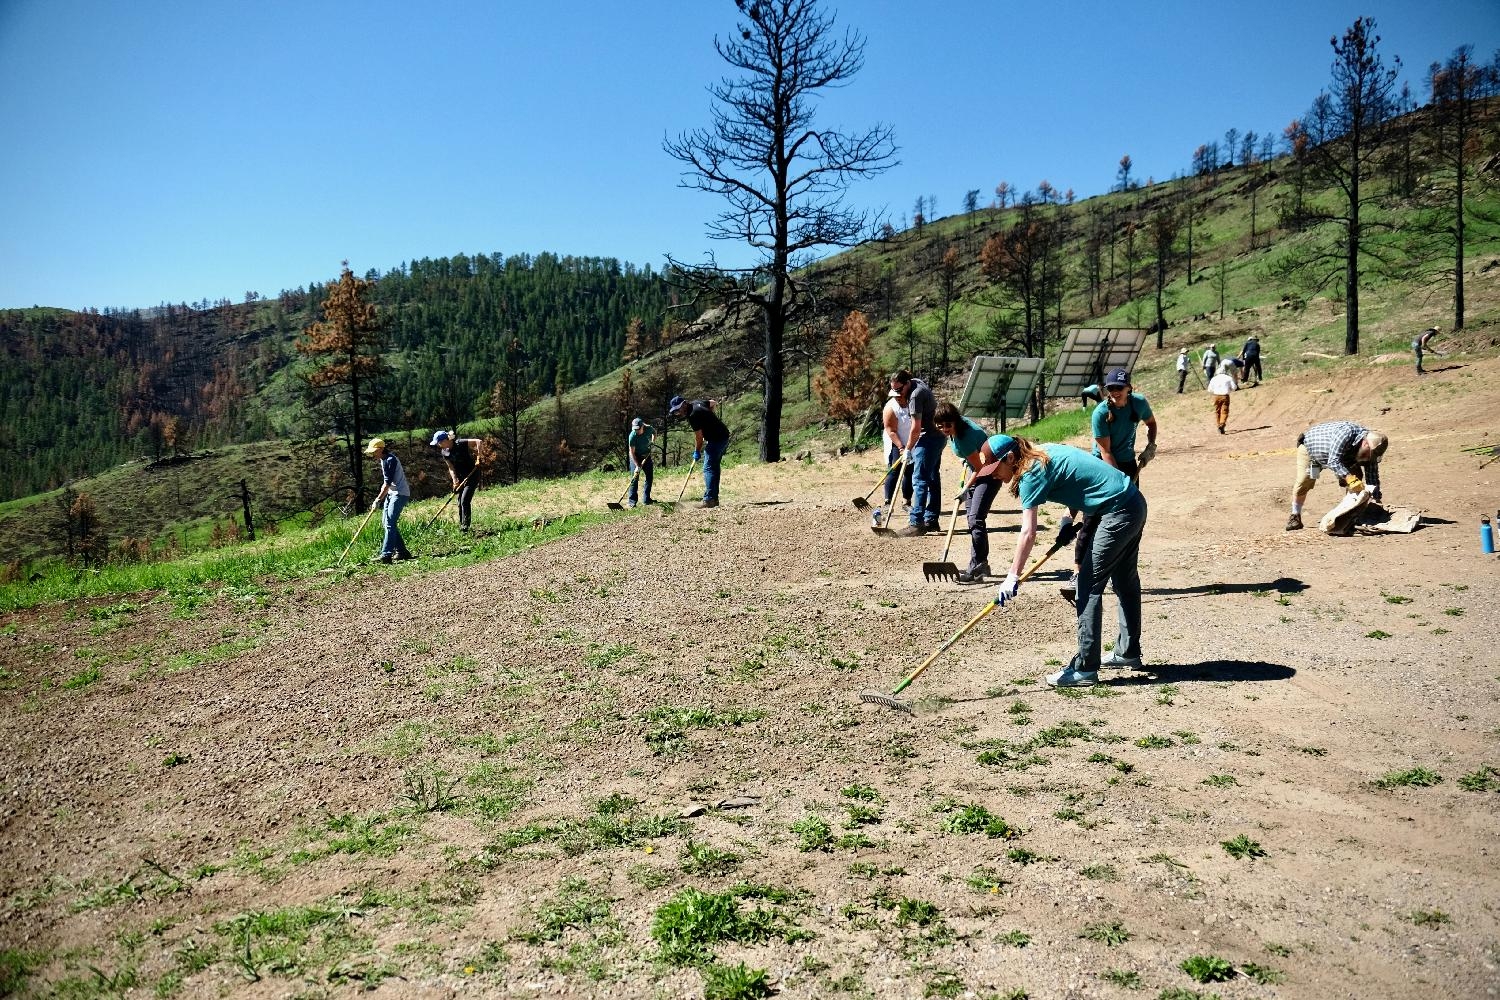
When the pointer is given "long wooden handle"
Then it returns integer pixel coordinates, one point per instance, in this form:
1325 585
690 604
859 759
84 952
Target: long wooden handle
901 462
953 521
356 535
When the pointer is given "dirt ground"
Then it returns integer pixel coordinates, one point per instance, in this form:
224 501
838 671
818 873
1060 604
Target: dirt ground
143 812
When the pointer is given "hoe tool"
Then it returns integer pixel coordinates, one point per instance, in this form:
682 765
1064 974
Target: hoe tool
352 539
683 492
863 503
456 489
891 701
620 503
943 569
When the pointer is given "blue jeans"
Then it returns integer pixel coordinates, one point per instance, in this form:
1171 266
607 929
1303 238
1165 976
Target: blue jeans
1113 559
713 457
926 481
394 544
646 471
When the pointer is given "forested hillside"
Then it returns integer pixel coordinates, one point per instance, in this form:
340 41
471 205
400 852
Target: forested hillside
82 391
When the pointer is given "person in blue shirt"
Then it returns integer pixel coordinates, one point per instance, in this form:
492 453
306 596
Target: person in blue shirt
967 439
1059 473
394 495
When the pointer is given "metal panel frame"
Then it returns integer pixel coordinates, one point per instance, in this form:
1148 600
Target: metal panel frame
1000 386
1090 352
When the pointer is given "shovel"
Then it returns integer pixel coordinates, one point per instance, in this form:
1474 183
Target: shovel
943 569
620 503
863 503
891 701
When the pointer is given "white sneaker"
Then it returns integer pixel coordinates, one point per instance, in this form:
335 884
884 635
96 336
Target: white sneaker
1116 660
1070 678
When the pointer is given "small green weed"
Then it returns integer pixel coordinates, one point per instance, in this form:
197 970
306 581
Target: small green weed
1395 598
944 984
1377 634
1454 612
1208 969
1429 918
735 982
1101 873
688 925
861 793
1262 974
1127 978
813 834
1016 939
701 859
1313 751
1220 780
88 675
576 905
1242 847
1418 777
978 819
1483 779
985 879
1154 742
1109 934
429 791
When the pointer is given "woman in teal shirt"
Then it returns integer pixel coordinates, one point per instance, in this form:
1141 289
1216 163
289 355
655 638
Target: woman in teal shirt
1058 473
967 438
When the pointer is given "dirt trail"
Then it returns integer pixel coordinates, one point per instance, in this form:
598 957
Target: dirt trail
1291 670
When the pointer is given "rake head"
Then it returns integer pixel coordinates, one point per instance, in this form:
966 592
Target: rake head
942 571
883 531
861 503
876 698
615 506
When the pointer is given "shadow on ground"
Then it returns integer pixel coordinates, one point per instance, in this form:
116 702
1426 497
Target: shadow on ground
1209 670
1282 585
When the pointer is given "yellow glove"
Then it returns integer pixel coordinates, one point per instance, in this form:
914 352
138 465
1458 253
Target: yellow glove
1354 484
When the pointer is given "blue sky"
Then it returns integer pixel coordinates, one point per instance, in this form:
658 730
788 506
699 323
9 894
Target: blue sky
182 150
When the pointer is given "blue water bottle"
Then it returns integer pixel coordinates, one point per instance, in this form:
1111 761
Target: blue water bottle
1486 535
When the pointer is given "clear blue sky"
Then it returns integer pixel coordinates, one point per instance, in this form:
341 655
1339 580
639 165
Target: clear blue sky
181 150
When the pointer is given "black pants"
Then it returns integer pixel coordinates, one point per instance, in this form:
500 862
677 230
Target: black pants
981 496
465 499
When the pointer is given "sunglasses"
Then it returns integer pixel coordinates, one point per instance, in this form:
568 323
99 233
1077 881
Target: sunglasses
1112 390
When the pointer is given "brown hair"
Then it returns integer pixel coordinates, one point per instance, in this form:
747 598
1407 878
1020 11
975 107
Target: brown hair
946 413
1028 457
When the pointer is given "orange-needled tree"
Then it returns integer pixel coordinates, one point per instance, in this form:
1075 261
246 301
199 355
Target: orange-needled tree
849 380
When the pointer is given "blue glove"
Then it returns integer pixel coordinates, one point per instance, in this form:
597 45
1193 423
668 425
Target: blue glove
1007 591
697 456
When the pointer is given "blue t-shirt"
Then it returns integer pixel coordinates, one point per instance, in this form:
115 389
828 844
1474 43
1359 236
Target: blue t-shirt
968 437
1121 430
1074 478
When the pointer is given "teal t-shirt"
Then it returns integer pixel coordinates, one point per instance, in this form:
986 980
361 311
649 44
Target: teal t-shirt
968 438
1121 430
641 441
1075 479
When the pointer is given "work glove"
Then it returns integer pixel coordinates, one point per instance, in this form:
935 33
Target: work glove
1354 484
375 505
697 456
1147 455
1066 530
1007 590
906 455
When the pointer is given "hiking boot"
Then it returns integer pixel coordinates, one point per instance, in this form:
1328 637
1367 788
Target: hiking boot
1116 660
1294 523
404 557
1070 678
1069 590
1221 430
711 502
912 531
384 557
975 574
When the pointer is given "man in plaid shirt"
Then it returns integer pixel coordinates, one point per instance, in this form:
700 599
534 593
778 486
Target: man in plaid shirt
1351 451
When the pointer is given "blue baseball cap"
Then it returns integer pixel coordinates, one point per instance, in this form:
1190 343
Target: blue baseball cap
675 404
1001 445
439 438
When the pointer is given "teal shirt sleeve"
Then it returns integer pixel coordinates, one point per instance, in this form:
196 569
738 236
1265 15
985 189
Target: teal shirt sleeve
1098 427
1142 406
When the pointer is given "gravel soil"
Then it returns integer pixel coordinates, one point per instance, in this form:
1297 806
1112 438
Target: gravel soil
437 762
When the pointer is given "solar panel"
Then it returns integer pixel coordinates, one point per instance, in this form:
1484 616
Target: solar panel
1000 387
1088 353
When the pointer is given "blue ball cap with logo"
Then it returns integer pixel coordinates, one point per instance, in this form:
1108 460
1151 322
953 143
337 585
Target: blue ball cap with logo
675 404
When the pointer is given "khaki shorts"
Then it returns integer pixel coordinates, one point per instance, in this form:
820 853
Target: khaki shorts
1307 472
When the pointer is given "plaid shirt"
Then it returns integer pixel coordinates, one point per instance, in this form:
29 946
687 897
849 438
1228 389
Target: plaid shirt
1335 446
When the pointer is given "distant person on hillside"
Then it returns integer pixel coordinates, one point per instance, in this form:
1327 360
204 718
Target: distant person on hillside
1210 361
638 454
1183 362
394 495
1353 454
968 441
1420 344
710 441
924 449
1059 473
1221 385
895 422
1250 356
461 455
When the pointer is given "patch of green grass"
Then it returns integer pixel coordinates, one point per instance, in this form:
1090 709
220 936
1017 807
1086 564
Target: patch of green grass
16 967
690 924
1101 873
1482 779
861 793
1154 742
1219 780
701 859
88 675
668 725
1429 918
1016 939
735 982
916 911
985 879
576 905
1395 598
813 833
1109 933
1242 847
1125 978
944 984
1454 612
1022 856
1262 974
1418 777
1377 634
429 790
1207 968
978 819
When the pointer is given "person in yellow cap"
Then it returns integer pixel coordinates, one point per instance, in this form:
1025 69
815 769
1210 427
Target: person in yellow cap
394 495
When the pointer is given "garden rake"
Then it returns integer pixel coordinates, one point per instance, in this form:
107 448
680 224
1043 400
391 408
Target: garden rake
456 489
863 503
620 503
683 492
352 539
943 569
891 701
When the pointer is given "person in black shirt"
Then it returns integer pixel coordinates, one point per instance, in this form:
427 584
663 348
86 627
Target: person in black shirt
711 440
461 455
